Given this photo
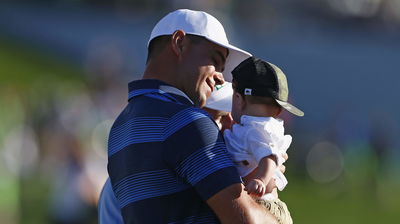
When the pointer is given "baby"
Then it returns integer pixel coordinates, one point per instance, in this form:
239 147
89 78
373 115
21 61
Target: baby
257 142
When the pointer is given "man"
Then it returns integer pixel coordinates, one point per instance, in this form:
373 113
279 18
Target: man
218 106
167 161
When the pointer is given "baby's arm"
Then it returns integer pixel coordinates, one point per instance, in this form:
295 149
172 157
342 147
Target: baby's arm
258 184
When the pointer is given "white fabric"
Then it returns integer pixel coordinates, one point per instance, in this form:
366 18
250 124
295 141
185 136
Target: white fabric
201 24
221 98
255 138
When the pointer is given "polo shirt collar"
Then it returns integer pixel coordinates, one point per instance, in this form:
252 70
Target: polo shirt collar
151 86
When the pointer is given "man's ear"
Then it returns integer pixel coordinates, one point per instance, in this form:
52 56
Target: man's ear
177 41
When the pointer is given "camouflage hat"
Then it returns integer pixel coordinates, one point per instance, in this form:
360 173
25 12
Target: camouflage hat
255 77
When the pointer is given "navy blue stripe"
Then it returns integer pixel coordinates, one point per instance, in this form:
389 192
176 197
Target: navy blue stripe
145 107
140 92
192 137
136 158
148 86
147 185
145 84
140 121
154 93
196 219
176 208
182 119
160 97
204 162
137 130
229 175
150 129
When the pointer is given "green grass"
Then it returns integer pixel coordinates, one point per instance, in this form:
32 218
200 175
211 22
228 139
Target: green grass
340 202
22 67
28 82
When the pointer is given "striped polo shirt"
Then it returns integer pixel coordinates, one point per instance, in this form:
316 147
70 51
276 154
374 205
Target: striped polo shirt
166 157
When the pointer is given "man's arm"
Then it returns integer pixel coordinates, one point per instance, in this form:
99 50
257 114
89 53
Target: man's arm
233 205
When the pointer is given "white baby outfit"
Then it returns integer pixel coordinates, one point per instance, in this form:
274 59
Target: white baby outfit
255 138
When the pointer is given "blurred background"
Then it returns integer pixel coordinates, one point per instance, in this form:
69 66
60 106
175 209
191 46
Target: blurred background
65 65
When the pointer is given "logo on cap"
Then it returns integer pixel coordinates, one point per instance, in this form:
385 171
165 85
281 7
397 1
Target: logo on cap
247 91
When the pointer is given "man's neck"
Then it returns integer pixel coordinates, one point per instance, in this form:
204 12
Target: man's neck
162 68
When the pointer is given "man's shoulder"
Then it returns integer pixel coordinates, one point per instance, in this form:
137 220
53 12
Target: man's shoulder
188 112
161 105
191 121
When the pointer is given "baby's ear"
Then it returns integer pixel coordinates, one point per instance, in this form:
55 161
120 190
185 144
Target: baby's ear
241 102
236 96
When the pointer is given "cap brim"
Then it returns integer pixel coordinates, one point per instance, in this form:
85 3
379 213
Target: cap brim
235 57
289 107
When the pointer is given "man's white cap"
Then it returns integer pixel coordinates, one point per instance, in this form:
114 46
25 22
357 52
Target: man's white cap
221 98
201 24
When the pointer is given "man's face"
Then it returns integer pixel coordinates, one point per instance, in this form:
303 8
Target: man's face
201 65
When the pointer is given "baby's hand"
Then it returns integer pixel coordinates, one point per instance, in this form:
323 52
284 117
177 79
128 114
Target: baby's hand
256 187
285 156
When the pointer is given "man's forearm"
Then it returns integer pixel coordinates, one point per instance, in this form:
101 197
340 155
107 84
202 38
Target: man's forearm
233 205
255 213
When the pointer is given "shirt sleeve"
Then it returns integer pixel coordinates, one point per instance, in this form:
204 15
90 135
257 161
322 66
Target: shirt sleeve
198 154
108 208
